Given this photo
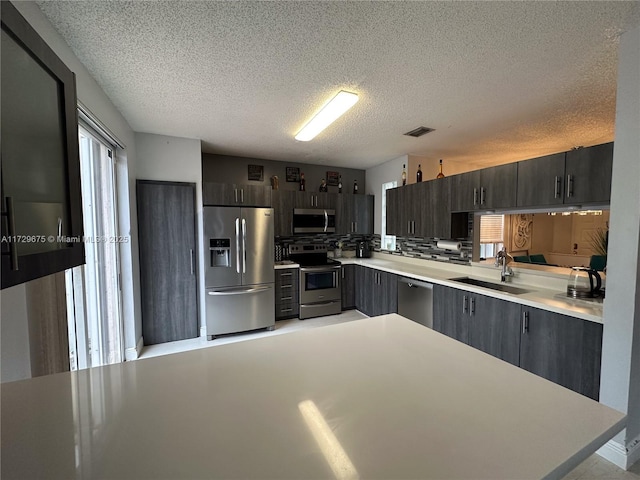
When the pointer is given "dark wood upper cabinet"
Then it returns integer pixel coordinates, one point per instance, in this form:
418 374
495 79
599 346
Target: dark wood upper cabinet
283 202
498 186
465 196
489 188
588 175
541 181
576 177
354 213
227 194
41 196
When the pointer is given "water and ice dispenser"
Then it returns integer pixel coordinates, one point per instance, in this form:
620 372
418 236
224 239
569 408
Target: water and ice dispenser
220 252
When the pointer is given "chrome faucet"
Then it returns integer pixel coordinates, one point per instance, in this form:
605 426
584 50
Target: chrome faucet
502 259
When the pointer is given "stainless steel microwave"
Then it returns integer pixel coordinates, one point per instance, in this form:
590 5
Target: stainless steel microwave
314 220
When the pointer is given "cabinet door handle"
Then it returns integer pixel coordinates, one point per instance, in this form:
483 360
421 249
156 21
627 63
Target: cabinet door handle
286 286
475 197
569 185
285 310
11 230
285 274
235 190
482 195
464 304
242 195
408 227
472 306
556 191
525 322
191 259
355 229
286 298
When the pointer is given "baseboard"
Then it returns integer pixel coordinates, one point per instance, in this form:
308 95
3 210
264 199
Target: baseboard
133 353
620 455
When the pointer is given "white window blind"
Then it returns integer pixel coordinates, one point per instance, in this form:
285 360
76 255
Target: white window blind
492 229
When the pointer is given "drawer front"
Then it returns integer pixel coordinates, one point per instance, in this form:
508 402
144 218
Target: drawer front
287 310
286 277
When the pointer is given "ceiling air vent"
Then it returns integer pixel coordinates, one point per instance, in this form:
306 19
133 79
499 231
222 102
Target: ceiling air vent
418 132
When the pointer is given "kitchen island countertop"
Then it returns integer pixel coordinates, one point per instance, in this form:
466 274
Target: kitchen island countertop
381 397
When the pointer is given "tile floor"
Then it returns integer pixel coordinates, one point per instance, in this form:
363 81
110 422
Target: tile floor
593 468
282 326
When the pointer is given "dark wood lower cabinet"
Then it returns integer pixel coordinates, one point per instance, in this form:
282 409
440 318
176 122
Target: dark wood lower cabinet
450 317
286 293
376 291
560 348
168 259
348 287
494 327
563 349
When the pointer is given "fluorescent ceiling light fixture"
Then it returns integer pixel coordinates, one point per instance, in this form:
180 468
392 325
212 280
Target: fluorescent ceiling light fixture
335 455
338 105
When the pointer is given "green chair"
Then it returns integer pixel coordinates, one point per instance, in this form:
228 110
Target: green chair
538 258
522 259
598 262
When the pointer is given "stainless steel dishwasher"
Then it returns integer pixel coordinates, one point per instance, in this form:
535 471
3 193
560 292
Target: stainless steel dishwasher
415 301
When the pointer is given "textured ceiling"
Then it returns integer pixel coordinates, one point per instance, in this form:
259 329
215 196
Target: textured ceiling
499 81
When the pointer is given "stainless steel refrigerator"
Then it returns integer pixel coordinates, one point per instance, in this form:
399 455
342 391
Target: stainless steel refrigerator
239 276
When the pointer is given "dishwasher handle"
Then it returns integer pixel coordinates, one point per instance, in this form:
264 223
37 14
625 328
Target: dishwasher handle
413 283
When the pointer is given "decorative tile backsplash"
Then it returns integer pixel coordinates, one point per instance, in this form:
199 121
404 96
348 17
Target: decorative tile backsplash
425 248
331 241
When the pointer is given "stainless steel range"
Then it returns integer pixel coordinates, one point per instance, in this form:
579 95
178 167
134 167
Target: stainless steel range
320 292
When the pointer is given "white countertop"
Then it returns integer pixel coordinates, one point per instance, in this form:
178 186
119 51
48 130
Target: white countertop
381 397
440 273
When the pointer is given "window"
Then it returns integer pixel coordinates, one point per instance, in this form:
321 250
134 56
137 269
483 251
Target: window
491 235
387 242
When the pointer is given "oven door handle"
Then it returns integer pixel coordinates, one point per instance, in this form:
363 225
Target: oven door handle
320 269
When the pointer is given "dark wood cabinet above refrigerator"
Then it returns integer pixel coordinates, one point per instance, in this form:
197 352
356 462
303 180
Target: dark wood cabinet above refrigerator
234 195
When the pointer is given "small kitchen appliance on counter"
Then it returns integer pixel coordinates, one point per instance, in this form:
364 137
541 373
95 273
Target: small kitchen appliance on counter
584 283
320 291
363 250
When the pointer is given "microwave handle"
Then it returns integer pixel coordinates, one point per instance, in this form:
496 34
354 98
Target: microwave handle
326 221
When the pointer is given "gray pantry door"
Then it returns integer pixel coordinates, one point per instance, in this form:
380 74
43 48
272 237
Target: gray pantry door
167 242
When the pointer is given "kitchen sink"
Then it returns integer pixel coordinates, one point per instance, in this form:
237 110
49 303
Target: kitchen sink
493 286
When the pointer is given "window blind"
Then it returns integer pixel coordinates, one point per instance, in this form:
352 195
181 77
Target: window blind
492 229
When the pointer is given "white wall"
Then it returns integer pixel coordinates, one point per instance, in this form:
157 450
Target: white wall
96 101
376 176
175 159
620 383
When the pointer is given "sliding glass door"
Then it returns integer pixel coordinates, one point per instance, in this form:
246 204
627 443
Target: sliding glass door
93 290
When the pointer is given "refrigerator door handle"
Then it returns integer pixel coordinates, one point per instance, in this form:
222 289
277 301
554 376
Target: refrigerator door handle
244 246
238 245
238 291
